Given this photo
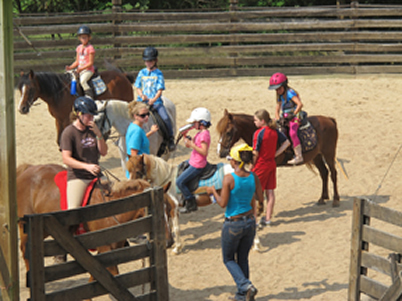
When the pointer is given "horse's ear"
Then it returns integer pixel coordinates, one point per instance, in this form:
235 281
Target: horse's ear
31 74
225 112
166 187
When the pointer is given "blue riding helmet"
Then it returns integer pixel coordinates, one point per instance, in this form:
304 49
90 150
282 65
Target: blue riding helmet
85 105
84 30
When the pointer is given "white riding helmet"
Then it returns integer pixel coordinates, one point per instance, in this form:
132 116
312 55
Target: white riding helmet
200 114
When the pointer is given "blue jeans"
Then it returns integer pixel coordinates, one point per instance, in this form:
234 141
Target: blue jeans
160 108
237 239
186 176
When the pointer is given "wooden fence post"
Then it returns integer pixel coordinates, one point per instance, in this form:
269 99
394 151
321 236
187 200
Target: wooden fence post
233 19
9 279
116 8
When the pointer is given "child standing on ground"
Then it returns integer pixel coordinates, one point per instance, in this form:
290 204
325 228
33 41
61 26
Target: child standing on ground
265 142
150 84
201 118
288 101
85 59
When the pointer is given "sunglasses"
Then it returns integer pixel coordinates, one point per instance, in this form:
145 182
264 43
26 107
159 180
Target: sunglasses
143 115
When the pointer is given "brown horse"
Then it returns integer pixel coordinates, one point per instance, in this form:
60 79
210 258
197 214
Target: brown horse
232 127
54 89
37 193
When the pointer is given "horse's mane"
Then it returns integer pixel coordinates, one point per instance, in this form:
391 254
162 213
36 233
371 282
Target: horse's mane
222 124
162 172
137 185
50 84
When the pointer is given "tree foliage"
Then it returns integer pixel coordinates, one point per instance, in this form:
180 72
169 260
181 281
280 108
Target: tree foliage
50 6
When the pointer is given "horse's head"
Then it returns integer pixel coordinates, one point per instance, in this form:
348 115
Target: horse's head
29 89
228 134
137 167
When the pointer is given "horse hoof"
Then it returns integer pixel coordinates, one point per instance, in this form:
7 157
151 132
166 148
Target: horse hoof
336 203
176 250
321 202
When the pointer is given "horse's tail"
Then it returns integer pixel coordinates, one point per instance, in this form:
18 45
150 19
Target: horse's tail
110 66
21 168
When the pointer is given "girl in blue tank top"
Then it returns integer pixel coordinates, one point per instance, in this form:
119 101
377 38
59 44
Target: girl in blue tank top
238 231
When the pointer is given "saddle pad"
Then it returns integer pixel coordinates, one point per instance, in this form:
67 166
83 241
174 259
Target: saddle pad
308 137
61 181
99 85
216 180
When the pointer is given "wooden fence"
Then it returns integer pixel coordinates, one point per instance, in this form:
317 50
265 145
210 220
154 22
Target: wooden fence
56 225
363 262
238 42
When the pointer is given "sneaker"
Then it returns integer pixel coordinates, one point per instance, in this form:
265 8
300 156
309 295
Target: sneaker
264 222
251 292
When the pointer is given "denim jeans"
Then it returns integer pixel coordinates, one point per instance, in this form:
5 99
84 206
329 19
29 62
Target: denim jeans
187 175
160 108
237 239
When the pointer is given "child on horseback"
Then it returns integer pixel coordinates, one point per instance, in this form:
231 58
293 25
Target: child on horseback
201 118
265 148
150 84
85 59
288 100
81 146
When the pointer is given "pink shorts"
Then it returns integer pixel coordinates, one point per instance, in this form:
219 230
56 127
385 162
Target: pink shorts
267 178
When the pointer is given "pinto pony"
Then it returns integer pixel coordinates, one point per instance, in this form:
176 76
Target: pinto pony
54 89
159 172
233 127
38 193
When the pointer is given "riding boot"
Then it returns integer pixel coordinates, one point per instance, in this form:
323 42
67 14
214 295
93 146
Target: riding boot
298 156
171 145
191 205
89 93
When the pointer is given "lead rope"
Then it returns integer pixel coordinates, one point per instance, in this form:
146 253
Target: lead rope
386 173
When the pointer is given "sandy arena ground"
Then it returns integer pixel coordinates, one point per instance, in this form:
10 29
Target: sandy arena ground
307 249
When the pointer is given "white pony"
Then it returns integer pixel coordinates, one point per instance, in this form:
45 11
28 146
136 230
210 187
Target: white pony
114 113
159 173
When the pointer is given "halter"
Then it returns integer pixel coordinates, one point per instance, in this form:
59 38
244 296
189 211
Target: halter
227 147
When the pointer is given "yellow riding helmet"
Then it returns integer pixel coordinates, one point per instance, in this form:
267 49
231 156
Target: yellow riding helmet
235 151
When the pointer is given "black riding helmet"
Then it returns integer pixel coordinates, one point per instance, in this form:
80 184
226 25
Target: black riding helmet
85 105
84 30
150 54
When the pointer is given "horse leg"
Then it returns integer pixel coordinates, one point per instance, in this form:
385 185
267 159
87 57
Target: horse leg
121 144
257 243
334 174
23 248
319 163
176 230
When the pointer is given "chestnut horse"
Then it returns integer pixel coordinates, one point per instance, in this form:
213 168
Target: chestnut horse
233 127
54 89
159 172
38 193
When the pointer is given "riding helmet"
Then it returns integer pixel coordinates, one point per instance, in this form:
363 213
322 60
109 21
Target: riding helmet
202 115
85 105
277 80
84 30
150 54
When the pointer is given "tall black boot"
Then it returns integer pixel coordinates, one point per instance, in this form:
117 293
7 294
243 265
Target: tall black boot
171 144
89 93
191 205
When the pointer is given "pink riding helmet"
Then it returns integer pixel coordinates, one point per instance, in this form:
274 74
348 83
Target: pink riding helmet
277 80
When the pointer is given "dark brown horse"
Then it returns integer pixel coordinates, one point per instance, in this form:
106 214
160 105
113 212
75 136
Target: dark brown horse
54 89
38 193
233 127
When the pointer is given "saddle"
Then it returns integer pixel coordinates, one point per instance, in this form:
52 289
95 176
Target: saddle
163 130
306 132
207 173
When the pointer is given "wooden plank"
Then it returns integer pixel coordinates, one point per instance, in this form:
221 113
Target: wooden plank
119 256
376 263
388 215
394 292
158 257
100 273
355 251
107 236
383 239
110 208
372 287
9 280
94 289
36 274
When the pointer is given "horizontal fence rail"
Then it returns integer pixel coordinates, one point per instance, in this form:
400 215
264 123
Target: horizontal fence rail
239 42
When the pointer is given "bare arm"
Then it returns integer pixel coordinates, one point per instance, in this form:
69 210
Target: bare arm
203 149
153 130
74 163
102 146
258 194
282 148
142 96
298 103
157 95
278 110
73 65
223 198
